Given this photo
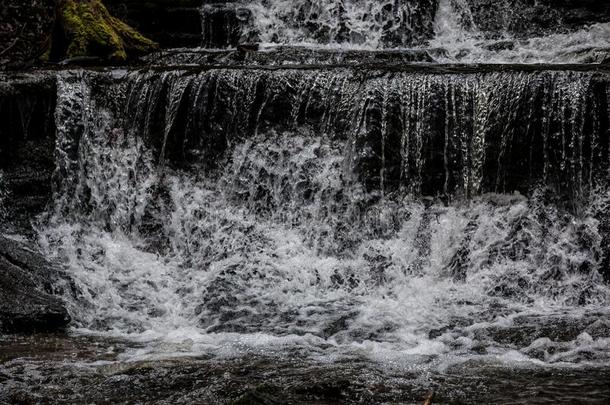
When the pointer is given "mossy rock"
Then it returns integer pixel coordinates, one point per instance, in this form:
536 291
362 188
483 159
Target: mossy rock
90 30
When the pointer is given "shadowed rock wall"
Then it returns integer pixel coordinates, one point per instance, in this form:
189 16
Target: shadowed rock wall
27 145
171 23
25 31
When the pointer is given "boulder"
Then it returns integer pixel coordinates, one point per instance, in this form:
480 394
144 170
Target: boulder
29 285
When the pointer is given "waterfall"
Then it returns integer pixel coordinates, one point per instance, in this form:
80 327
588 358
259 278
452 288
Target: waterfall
190 212
430 134
322 201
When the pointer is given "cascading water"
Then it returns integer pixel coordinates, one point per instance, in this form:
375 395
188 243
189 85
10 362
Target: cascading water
459 39
312 202
361 22
260 232
448 31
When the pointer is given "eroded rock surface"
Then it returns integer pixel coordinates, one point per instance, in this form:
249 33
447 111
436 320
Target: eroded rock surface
28 284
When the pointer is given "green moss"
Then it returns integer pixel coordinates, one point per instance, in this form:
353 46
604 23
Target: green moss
92 31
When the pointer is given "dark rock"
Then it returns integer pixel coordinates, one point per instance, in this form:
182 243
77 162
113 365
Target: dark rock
25 31
248 48
286 55
458 266
526 329
500 46
83 61
224 25
27 146
171 23
27 288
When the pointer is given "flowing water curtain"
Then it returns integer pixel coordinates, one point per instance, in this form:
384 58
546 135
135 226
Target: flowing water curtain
424 134
92 144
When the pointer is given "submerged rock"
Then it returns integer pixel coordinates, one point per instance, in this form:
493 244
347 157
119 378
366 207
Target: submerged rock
27 291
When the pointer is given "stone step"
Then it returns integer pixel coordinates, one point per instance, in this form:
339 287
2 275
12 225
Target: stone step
423 59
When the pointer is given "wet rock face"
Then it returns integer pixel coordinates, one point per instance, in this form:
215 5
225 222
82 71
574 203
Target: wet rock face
27 146
25 29
223 25
27 288
171 23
